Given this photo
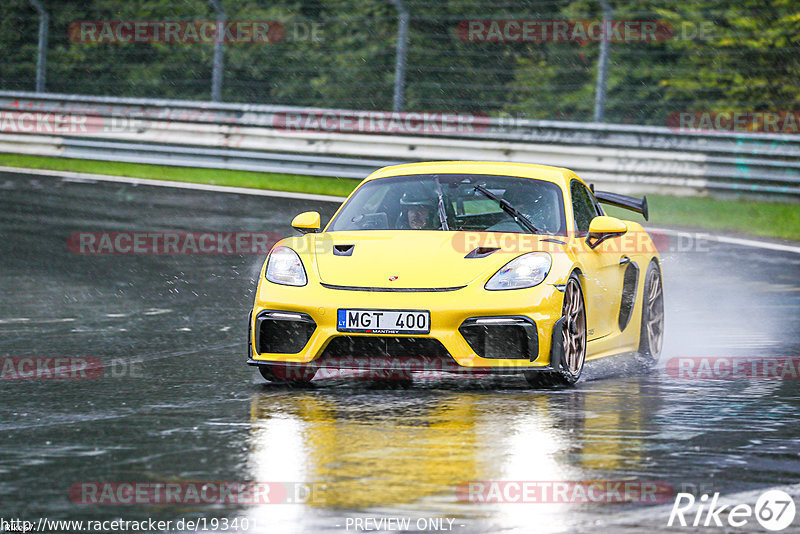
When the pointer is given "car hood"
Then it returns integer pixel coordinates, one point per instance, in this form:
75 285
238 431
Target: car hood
413 259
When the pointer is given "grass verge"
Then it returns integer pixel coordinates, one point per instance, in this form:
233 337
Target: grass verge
256 180
753 217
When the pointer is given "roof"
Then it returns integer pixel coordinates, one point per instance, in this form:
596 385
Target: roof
558 175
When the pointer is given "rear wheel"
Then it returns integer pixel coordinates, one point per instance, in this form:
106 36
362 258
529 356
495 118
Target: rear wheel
573 339
652 334
292 375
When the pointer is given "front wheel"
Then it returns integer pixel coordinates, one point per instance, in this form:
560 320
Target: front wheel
573 339
652 334
291 375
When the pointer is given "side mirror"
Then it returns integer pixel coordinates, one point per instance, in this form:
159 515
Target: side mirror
604 227
307 222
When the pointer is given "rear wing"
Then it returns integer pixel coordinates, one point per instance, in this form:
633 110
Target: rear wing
639 205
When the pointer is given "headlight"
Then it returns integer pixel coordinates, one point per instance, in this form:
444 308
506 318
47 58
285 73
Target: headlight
526 271
284 267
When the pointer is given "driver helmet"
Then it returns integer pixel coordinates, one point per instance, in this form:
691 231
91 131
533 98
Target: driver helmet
418 197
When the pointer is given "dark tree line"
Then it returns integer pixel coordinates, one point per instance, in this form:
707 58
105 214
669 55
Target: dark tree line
341 53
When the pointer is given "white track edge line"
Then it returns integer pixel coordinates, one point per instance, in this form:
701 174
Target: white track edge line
731 240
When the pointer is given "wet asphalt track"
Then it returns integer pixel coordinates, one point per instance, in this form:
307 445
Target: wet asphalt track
187 408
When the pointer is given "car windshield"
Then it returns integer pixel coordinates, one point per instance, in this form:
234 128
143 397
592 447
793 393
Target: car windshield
413 203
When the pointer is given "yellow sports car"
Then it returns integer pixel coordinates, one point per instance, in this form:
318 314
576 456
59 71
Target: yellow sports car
460 266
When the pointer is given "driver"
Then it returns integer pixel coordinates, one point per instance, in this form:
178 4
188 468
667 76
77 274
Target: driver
535 204
419 210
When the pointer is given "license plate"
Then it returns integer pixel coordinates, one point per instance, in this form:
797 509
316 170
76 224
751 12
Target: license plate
384 321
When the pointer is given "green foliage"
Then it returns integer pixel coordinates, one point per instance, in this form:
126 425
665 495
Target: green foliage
721 56
747 60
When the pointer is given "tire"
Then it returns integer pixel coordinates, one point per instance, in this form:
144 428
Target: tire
282 374
651 337
573 338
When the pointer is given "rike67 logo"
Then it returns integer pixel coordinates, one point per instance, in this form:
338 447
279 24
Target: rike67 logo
774 510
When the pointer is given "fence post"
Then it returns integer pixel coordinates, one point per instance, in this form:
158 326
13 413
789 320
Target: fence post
216 74
400 61
41 59
602 64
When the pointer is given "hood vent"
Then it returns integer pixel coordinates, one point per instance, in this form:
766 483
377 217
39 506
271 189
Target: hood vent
343 250
482 252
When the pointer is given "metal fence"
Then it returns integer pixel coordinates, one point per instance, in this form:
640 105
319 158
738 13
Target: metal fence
579 60
342 143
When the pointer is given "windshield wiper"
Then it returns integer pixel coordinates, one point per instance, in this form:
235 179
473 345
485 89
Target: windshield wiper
508 208
442 212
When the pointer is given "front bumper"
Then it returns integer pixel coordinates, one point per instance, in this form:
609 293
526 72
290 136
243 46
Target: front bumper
310 337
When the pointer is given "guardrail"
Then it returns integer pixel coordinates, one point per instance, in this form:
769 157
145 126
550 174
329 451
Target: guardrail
264 138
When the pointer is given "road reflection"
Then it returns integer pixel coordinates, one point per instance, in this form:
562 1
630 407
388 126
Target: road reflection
404 453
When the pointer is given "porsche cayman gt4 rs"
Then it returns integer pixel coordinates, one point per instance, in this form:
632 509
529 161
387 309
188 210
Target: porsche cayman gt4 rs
460 267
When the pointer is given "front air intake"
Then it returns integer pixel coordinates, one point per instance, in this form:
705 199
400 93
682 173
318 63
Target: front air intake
280 332
512 338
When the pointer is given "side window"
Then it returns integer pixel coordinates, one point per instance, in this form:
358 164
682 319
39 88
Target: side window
583 207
